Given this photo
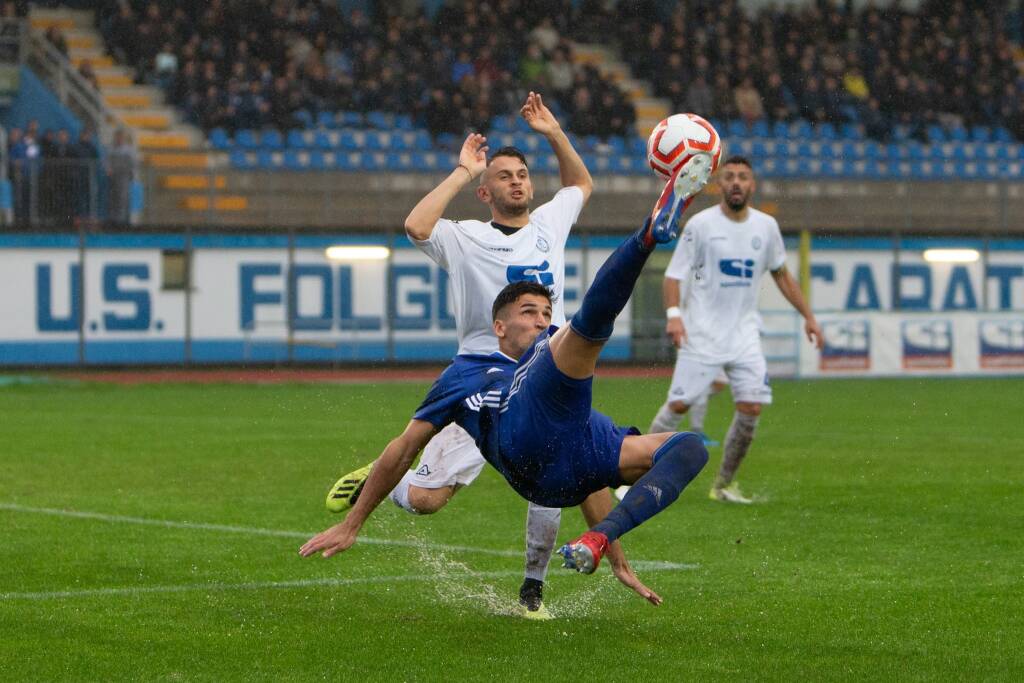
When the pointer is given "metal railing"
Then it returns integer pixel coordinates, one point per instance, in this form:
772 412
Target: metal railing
73 91
61 193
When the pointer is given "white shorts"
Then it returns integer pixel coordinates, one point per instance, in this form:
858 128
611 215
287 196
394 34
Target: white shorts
450 458
747 375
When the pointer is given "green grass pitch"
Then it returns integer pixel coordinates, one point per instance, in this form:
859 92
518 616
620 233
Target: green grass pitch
887 545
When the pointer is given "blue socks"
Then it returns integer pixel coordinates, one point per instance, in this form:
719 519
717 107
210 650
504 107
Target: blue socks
611 289
676 463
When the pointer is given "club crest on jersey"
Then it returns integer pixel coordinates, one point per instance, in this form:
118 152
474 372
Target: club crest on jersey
543 245
756 243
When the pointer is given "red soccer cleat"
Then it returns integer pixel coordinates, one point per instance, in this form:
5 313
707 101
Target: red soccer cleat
584 553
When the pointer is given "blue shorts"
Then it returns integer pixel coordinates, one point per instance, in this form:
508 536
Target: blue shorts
555 449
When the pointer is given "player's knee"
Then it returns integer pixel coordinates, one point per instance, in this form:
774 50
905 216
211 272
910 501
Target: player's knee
429 501
752 409
695 453
678 407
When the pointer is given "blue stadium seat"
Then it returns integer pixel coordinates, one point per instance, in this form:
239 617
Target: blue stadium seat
871 169
448 141
981 134
741 146
852 150
350 119
316 160
376 141
826 131
269 160
304 117
271 139
297 139
935 133
325 140
423 161
296 160
759 149
403 141
808 149
403 122
348 139
873 150
638 146
915 151
1000 134
901 132
801 129
618 144
380 119
958 134
737 129
780 129
371 161
398 161
852 131
521 126
246 139
239 159
525 143
502 124
325 119
423 141
760 129
219 139
895 152
937 152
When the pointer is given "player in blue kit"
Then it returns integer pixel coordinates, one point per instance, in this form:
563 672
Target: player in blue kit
528 409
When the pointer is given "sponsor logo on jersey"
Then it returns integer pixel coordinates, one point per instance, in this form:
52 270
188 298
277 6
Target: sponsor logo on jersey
1001 343
927 344
423 471
739 268
847 345
539 273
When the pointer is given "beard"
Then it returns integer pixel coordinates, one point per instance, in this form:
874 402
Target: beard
737 203
512 207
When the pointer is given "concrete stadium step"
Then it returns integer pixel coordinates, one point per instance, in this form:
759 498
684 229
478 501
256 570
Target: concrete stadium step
80 53
592 54
101 62
156 119
180 181
652 108
82 40
68 18
158 140
644 126
220 203
42 23
108 78
133 97
181 160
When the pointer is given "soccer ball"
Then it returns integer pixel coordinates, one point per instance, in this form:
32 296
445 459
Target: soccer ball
676 139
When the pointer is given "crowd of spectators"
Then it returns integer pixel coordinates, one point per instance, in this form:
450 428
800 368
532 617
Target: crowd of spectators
237 64
56 177
944 63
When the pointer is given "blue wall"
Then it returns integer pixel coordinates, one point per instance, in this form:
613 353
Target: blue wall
36 101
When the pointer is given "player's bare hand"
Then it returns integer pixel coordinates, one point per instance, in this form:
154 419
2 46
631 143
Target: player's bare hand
474 154
624 573
330 542
675 331
538 116
813 331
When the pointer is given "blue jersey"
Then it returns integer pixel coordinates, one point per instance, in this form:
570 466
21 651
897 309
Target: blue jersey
532 423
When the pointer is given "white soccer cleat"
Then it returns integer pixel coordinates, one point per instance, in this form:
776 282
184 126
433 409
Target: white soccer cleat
729 494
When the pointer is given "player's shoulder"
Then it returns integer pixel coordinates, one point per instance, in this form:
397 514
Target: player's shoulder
702 218
762 218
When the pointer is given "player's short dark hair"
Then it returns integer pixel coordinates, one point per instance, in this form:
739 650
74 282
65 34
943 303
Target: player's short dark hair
738 159
508 152
513 291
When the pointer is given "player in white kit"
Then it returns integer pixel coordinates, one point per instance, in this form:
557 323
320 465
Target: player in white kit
481 258
715 273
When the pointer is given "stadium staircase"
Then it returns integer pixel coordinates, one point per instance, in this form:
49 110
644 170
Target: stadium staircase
174 153
649 109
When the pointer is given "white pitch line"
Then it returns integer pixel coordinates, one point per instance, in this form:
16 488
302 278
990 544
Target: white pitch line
644 565
254 585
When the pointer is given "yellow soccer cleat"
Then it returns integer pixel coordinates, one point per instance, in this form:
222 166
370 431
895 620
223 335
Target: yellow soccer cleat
345 491
729 494
531 601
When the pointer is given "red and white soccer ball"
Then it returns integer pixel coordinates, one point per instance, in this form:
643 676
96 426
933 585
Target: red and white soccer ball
676 139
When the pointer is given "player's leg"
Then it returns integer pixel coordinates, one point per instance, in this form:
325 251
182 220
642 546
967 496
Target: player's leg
699 410
659 467
575 348
541 532
449 461
690 382
749 377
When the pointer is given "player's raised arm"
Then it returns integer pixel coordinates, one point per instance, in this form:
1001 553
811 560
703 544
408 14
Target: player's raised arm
387 471
419 224
790 289
571 169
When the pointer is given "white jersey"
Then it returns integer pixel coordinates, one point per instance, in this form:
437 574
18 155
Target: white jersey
481 261
719 263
